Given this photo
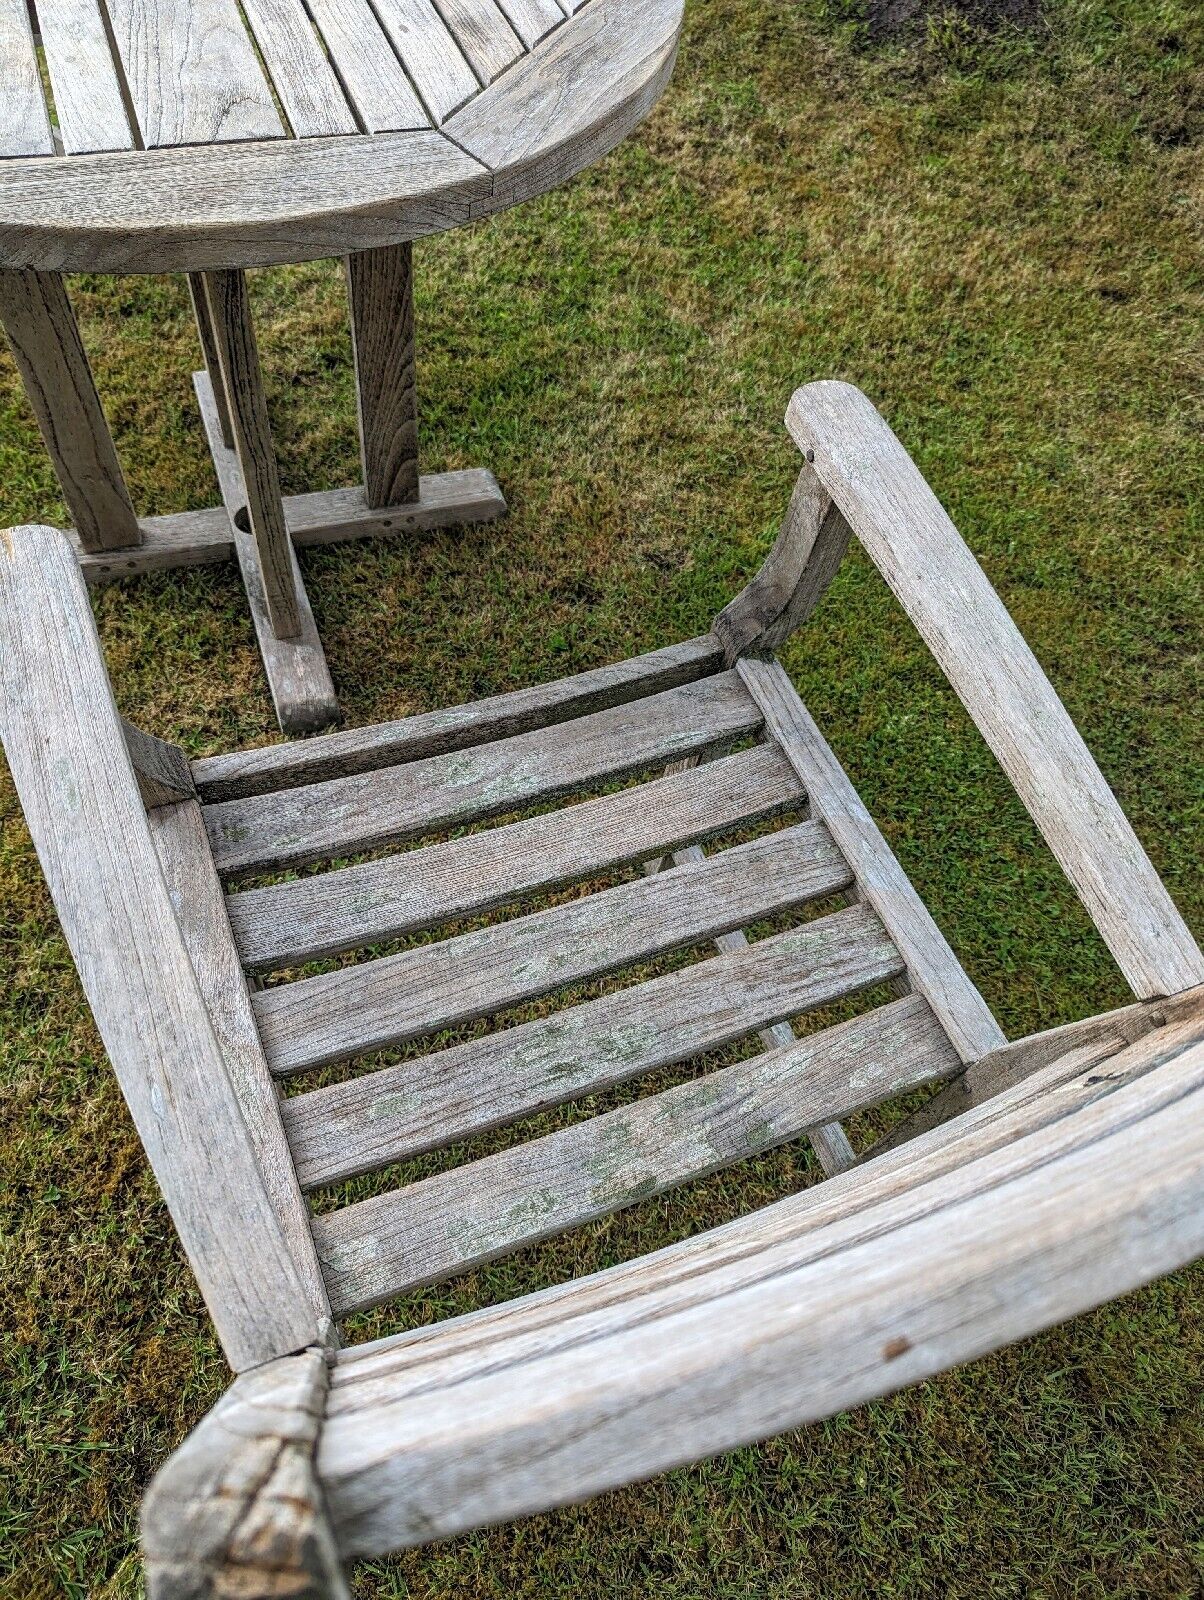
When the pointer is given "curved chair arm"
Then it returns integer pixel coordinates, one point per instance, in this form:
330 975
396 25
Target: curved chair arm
859 474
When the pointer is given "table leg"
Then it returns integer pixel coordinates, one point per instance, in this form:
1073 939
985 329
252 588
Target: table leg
53 364
380 289
204 328
238 358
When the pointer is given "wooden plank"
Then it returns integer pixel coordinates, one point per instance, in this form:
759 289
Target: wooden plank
431 733
481 30
298 677
487 1208
302 75
63 739
238 1508
327 516
429 53
306 919
573 99
366 810
380 292
242 380
532 20
1039 1229
435 986
162 772
89 96
263 202
456 1093
932 968
178 833
24 121
944 591
53 364
192 72
369 69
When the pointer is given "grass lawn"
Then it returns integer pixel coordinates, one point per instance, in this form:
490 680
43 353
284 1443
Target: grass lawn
1000 241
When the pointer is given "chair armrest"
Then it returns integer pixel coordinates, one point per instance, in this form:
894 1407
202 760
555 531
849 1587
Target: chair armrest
879 492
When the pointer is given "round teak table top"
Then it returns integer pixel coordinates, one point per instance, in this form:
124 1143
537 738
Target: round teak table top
203 133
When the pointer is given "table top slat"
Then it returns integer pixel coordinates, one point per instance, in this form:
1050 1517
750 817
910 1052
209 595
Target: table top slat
24 121
429 54
532 20
193 74
305 81
484 35
84 78
365 59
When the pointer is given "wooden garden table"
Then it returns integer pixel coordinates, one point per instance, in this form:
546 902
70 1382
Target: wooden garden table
205 137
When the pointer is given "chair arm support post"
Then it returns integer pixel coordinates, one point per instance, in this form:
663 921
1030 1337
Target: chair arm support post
909 537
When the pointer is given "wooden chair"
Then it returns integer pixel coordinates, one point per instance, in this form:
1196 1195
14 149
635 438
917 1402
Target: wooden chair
1047 1176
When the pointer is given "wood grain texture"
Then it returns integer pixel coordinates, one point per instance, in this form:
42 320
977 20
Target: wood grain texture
50 356
89 97
355 750
369 809
242 381
793 579
456 1093
203 318
532 20
327 516
434 986
380 292
301 73
183 850
369 69
24 121
63 739
932 968
192 72
481 30
459 1219
855 1289
430 55
944 591
306 919
237 1510
161 770
298 677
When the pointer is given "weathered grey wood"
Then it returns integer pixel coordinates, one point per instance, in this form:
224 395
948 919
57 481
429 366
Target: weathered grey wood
532 20
573 99
242 380
162 772
462 1218
380 290
213 366
456 1093
431 733
192 72
429 53
364 810
238 1508
65 748
483 34
287 924
932 967
53 364
434 986
944 591
301 73
88 93
196 896
298 677
1093 1039
24 122
371 73
794 578
492 1417
328 516
829 1141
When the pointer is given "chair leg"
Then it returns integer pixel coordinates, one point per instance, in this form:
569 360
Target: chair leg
238 1508
380 290
53 364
